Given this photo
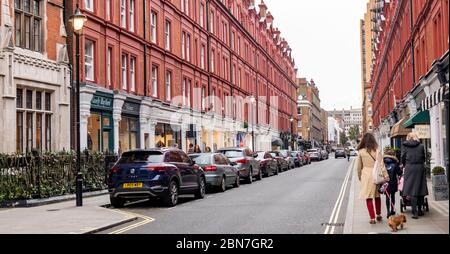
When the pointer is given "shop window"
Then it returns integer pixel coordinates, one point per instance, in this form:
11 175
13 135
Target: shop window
166 136
128 134
100 136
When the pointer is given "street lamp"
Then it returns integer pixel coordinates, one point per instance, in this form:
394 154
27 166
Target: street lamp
253 101
78 19
292 143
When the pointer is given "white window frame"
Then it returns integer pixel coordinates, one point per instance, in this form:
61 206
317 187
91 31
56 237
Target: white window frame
123 15
109 66
188 47
124 72
89 5
167 33
168 85
133 74
183 45
131 12
153 24
212 60
202 57
189 93
203 98
202 15
108 9
155 81
89 61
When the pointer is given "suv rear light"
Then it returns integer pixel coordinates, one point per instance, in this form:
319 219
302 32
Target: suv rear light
210 169
242 161
114 170
156 168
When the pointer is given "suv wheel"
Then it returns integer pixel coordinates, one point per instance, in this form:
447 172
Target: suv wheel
117 202
171 199
200 193
223 185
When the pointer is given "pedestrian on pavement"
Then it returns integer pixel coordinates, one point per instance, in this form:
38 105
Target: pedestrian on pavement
392 165
415 182
191 148
197 149
367 155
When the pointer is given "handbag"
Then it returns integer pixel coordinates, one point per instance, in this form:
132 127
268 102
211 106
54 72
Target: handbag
378 171
400 183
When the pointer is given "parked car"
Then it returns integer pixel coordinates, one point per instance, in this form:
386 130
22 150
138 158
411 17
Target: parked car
315 154
282 162
298 158
306 157
162 173
288 157
325 155
218 170
340 152
353 152
245 162
267 163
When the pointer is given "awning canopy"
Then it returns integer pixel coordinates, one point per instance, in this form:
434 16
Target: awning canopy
435 98
398 129
422 117
277 141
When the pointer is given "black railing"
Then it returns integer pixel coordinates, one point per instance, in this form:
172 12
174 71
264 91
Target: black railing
34 176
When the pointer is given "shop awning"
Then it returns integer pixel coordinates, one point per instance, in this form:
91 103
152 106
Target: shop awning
422 117
277 141
399 130
435 98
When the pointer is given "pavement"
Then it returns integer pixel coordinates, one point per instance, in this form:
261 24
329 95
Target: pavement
63 218
299 201
357 218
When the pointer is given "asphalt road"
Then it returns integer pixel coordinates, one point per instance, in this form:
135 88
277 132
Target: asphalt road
299 201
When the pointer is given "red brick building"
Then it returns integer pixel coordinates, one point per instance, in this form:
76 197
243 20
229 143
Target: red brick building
147 64
413 36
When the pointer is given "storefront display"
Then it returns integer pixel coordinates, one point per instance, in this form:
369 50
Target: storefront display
129 126
100 135
167 135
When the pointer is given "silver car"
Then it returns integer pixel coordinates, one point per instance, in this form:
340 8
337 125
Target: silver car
218 170
244 160
315 154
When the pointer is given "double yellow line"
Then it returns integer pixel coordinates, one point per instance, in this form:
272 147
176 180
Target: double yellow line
337 207
146 220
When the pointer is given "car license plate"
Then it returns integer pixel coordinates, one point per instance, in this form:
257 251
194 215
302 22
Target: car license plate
132 185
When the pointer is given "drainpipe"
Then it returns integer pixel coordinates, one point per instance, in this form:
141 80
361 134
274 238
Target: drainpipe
145 50
412 41
208 47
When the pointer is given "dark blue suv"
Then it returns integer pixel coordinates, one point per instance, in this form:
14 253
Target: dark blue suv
162 173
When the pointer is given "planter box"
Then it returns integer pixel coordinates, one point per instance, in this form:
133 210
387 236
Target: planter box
440 187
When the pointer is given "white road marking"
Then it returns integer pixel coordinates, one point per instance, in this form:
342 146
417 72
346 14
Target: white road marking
337 207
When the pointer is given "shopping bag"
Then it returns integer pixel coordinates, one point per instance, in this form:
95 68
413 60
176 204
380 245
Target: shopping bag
379 171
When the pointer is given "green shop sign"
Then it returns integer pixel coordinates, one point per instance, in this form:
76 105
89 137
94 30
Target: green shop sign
102 102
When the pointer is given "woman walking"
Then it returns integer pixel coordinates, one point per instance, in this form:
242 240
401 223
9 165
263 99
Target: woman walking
415 182
367 155
392 166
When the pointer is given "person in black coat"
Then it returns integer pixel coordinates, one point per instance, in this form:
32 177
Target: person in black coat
415 182
392 165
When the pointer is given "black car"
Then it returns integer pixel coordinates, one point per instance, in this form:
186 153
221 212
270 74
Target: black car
340 152
267 163
155 173
283 164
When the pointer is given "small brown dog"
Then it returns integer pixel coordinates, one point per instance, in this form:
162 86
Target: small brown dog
395 221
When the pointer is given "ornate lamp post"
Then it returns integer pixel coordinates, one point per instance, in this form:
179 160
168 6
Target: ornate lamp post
292 134
253 101
78 20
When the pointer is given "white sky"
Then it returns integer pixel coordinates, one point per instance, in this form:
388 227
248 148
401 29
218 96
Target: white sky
325 40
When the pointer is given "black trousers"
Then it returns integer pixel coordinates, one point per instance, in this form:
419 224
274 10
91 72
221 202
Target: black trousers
416 204
390 207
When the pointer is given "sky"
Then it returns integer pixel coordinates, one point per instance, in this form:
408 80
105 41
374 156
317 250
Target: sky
325 40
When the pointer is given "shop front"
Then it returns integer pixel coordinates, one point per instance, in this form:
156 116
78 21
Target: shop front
100 136
191 135
129 127
167 135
